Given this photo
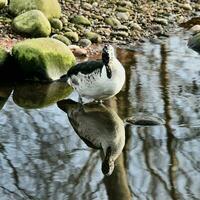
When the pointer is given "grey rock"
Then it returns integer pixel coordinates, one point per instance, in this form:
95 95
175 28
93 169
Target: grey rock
122 16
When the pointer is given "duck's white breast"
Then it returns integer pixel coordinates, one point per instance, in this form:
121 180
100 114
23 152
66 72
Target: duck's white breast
97 85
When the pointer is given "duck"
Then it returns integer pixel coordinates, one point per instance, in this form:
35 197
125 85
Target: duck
99 127
97 80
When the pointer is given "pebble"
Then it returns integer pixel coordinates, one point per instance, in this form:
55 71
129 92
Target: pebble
123 16
112 21
62 38
95 4
73 36
120 33
127 4
93 37
195 29
185 6
135 26
85 43
77 51
157 28
121 28
87 6
161 21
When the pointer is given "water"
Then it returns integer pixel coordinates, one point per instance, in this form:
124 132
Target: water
41 157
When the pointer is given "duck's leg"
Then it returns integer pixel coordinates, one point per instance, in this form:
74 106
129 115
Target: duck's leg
80 99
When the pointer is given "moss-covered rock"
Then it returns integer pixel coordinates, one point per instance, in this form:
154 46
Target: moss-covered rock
194 42
79 19
56 23
42 59
112 21
93 37
3 56
51 8
33 23
85 43
73 36
3 3
37 95
62 38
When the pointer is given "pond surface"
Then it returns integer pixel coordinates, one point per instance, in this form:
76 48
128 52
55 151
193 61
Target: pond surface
42 158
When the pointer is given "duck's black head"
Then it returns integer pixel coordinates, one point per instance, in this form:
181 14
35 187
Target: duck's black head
108 54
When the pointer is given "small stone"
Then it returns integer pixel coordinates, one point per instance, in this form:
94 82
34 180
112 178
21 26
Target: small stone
122 9
124 16
136 26
185 6
62 38
157 28
120 33
87 6
79 19
85 43
93 37
65 21
77 51
121 28
66 29
95 4
56 23
161 21
73 36
112 22
195 29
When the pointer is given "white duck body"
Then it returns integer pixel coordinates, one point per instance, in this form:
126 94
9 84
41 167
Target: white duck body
99 127
98 80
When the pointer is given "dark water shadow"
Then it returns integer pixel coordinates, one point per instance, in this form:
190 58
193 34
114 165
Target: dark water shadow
37 95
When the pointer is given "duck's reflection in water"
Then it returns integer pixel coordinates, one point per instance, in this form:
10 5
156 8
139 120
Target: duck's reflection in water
99 127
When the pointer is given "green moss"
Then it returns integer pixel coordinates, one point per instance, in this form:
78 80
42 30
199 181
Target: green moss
50 8
62 38
73 36
3 56
36 95
56 23
79 19
33 23
93 37
43 58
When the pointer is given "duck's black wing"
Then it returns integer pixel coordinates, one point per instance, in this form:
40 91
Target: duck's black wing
85 67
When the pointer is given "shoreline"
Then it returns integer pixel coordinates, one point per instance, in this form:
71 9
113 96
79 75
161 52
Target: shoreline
136 22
